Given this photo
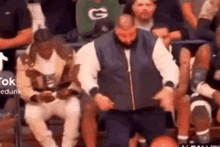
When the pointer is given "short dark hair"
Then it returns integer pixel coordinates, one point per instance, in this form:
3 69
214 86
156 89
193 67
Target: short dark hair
42 35
160 26
154 1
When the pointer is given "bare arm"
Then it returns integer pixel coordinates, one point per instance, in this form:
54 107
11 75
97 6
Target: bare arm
188 14
24 37
184 72
176 35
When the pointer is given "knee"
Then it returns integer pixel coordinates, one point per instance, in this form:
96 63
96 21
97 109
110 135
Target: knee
200 116
32 113
73 107
89 109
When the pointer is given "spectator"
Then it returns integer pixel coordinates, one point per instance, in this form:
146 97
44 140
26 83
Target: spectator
15 31
123 65
205 85
182 58
60 15
209 20
46 80
147 13
191 10
95 17
38 18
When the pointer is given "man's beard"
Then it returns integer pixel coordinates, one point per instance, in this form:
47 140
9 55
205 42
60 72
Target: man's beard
124 45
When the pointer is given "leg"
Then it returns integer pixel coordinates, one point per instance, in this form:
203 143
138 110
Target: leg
35 116
133 142
89 123
153 128
183 118
201 118
72 114
119 129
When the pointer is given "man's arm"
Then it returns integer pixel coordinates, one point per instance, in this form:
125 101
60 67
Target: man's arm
23 24
188 14
23 82
23 37
169 72
165 64
89 67
88 72
176 35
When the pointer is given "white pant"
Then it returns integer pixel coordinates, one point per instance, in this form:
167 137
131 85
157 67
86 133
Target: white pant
69 110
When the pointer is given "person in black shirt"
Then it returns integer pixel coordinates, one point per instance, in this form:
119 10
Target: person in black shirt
205 84
158 11
15 31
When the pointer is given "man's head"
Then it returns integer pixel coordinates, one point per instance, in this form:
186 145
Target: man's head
43 38
162 31
98 1
144 9
125 30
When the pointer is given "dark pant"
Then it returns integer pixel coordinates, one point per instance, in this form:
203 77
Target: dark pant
121 126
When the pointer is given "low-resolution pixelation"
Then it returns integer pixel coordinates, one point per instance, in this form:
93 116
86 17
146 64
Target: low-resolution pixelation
109 73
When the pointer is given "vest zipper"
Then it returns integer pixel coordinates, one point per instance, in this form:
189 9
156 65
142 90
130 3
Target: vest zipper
130 80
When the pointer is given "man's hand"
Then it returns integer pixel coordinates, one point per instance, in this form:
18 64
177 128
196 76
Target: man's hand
63 94
216 96
103 102
46 97
166 98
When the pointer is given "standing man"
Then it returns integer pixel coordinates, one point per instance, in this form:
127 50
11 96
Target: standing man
182 58
127 72
45 77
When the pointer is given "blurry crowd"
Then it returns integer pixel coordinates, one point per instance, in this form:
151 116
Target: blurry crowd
56 79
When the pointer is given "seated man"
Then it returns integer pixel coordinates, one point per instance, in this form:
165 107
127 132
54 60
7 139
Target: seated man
95 17
45 77
182 58
191 10
206 86
148 12
209 20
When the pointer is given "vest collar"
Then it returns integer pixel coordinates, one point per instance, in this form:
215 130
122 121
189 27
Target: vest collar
120 47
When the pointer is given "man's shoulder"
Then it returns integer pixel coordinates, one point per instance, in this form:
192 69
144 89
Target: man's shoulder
105 39
146 34
24 59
